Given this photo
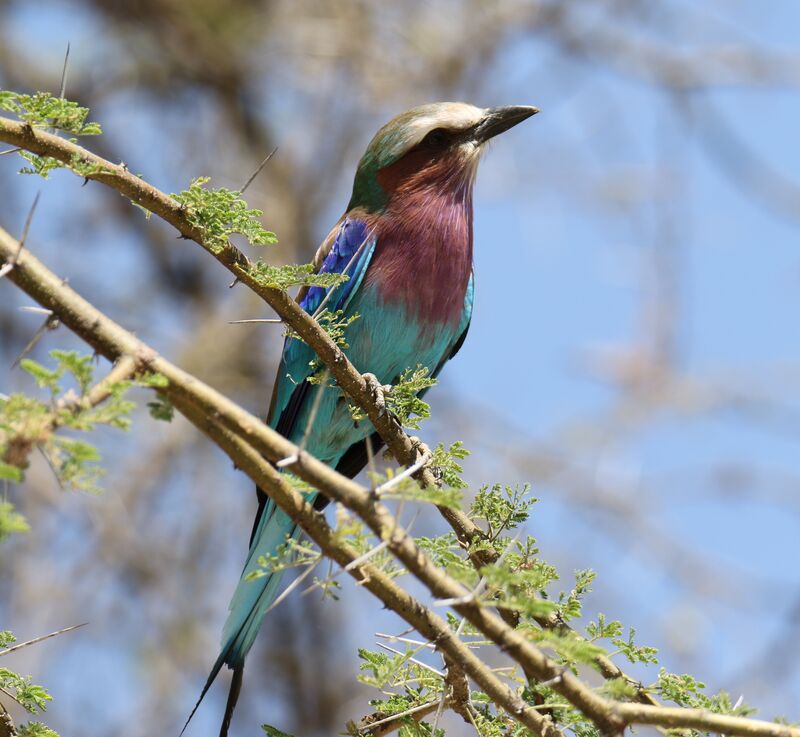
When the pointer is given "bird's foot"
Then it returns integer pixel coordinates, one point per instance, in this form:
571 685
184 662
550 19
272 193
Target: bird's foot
378 391
424 453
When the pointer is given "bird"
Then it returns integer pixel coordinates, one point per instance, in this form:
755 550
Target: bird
405 243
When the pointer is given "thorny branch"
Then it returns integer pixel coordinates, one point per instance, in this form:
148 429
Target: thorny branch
137 190
248 441
234 430
405 449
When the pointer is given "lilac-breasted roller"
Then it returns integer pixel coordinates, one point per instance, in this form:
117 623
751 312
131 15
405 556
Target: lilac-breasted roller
405 242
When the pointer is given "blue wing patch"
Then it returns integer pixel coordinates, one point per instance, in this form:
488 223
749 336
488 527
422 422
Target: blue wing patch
350 254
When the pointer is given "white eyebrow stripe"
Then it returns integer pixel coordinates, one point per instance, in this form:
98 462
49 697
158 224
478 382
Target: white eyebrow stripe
458 116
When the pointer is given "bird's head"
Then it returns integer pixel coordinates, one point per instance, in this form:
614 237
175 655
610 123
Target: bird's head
428 146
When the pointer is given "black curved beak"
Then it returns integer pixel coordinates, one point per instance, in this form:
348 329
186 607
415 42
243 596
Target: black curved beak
500 119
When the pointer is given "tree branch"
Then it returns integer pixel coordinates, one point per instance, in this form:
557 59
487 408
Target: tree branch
7 728
245 438
404 448
117 177
233 429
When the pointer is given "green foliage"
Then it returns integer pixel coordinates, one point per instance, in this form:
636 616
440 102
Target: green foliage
521 581
409 489
292 553
682 689
446 467
47 111
302 554
569 647
351 530
521 590
27 423
76 461
35 729
291 275
502 507
221 213
153 380
570 604
85 167
619 689
633 652
45 378
687 691
271 731
404 400
404 671
161 409
10 473
447 553
39 165
6 638
44 110
32 697
80 367
10 522
603 629
43 165
335 323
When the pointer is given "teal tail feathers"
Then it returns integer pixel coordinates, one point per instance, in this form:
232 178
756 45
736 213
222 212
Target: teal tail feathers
249 604
253 597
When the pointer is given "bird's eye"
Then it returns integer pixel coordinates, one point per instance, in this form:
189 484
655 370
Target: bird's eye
437 138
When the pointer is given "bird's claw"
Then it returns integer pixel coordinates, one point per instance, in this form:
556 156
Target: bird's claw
423 451
378 391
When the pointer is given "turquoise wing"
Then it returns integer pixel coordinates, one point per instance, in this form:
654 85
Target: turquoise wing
349 254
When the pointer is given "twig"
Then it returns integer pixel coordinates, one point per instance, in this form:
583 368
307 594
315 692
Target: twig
398 638
258 170
63 87
5 268
50 323
271 320
414 710
412 659
11 696
410 471
292 586
20 645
